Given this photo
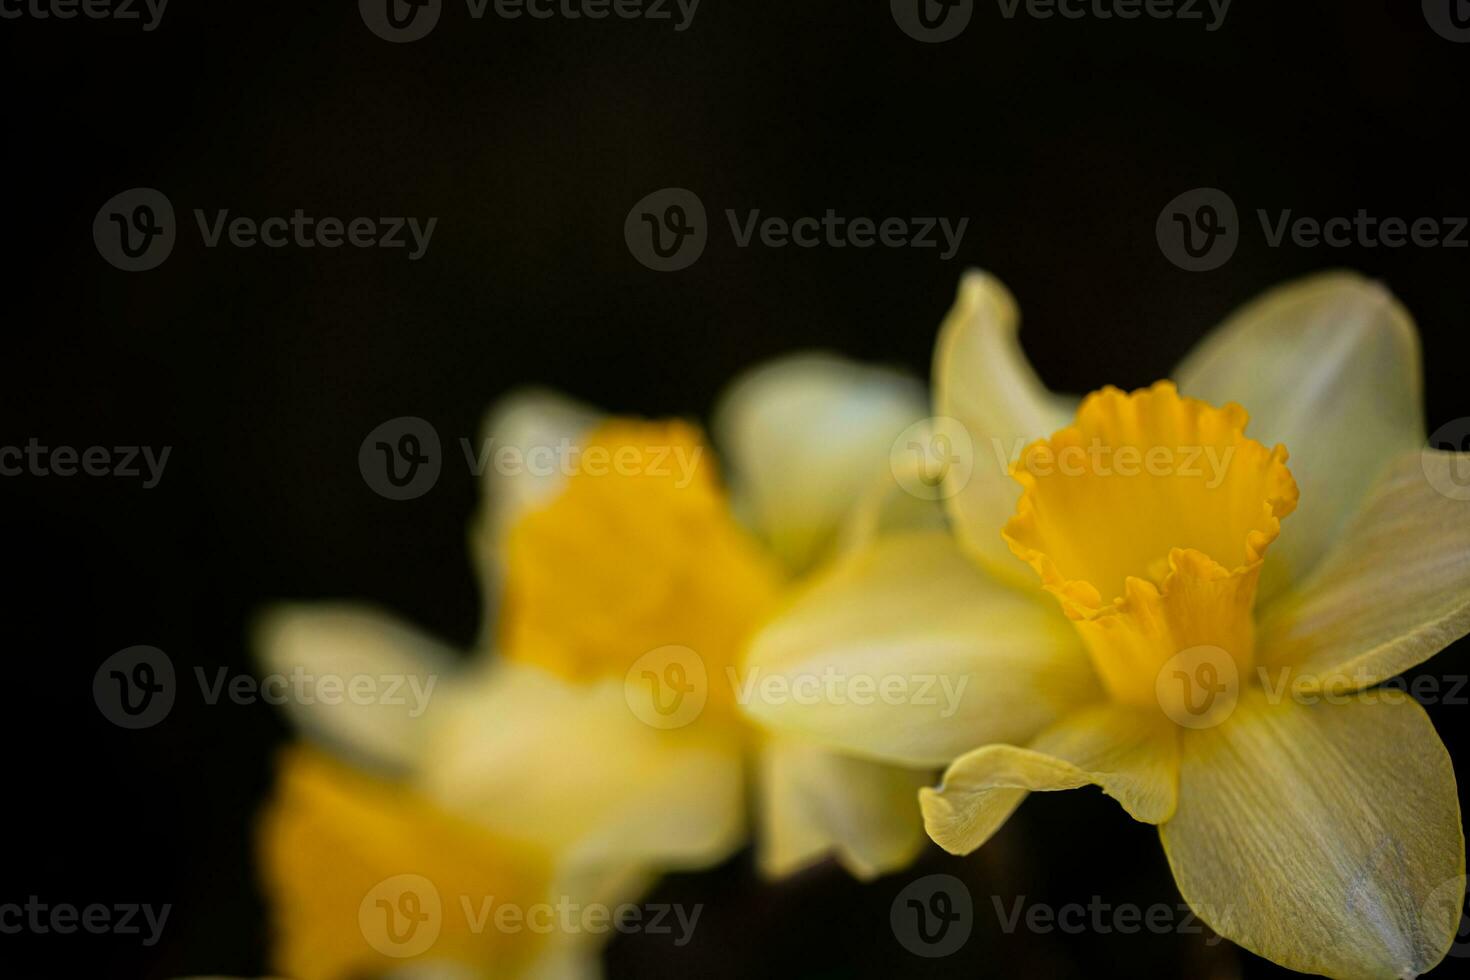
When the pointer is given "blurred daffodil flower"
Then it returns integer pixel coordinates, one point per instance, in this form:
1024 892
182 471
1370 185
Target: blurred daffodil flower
630 570
593 740
1204 624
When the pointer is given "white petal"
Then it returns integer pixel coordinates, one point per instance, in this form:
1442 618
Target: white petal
1393 592
804 437
524 451
1132 754
983 380
1322 837
313 652
966 659
572 768
815 802
1330 367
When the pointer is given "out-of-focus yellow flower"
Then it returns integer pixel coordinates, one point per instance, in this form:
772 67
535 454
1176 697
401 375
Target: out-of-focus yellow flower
629 569
608 549
1217 621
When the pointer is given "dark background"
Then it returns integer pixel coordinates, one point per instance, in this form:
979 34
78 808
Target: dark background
264 369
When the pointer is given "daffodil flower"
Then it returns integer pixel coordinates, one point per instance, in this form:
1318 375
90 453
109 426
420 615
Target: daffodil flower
628 570
1222 574
548 766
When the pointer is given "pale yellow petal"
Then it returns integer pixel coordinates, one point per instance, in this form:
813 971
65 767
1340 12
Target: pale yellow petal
1131 753
527 448
1330 367
815 802
1322 837
910 653
353 677
804 437
1394 591
983 380
524 751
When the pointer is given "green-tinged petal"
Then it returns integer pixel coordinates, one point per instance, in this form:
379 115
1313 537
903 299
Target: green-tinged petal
815 802
1393 592
355 678
1329 366
910 653
1132 754
527 444
983 380
524 751
1322 837
804 437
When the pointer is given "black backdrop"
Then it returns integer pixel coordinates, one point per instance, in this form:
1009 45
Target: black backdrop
530 140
